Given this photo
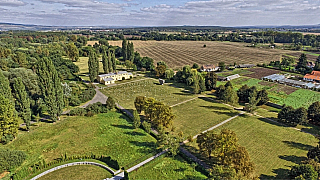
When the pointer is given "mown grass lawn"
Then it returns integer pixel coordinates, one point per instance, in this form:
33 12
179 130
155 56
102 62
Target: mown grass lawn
125 94
167 168
195 116
272 147
78 172
108 134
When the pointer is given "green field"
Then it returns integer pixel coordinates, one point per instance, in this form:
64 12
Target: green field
200 114
78 172
125 94
272 147
301 97
108 134
167 168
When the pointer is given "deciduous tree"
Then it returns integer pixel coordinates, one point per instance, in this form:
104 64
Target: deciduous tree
314 112
22 102
72 52
136 119
211 80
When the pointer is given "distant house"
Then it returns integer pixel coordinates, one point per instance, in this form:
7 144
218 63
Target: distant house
314 76
311 65
112 77
245 66
235 76
209 67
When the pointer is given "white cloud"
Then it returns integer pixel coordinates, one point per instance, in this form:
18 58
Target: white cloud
11 3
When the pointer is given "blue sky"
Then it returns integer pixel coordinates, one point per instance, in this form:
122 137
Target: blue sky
161 12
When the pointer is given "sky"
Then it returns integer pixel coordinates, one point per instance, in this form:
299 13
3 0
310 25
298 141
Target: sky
160 12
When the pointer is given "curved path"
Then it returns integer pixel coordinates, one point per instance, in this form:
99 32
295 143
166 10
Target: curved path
73 164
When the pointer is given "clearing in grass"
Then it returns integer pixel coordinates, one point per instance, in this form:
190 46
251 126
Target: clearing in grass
272 147
199 115
125 94
78 172
167 168
109 134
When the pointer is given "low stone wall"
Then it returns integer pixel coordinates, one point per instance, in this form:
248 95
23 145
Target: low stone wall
73 164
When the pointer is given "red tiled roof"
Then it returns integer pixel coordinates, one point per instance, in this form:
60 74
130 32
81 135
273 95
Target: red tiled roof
314 75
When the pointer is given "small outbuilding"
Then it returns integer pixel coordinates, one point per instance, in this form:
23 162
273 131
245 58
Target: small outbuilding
235 76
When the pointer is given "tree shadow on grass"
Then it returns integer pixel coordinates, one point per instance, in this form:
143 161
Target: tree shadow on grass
293 158
271 122
135 133
146 147
280 174
183 93
191 177
217 108
180 169
122 126
298 145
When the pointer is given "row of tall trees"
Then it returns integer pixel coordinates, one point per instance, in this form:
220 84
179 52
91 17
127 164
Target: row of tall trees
300 115
127 50
109 61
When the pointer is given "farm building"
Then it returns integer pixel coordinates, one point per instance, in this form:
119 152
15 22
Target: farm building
209 67
290 82
235 76
311 65
314 76
221 78
245 66
112 77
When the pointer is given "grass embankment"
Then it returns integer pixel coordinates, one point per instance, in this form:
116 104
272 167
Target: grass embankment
272 147
125 94
167 168
78 172
200 114
108 134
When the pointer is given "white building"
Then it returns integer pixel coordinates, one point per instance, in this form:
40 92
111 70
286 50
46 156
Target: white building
112 77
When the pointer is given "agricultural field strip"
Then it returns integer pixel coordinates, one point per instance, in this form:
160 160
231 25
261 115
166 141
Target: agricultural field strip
214 127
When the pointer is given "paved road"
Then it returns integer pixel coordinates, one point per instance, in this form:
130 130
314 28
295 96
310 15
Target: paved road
146 161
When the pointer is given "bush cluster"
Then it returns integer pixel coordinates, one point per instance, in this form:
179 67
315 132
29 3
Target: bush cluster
93 109
10 159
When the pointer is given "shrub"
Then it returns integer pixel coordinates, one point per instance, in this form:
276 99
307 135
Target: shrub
146 126
7 138
78 112
87 95
303 171
10 159
94 108
90 114
110 103
74 101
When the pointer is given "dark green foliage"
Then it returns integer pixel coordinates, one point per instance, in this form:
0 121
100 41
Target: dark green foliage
113 60
286 114
263 97
303 171
22 104
105 62
195 66
291 116
5 89
169 74
167 140
314 153
126 175
145 62
72 52
51 88
110 103
87 95
10 159
93 65
124 50
211 80
139 103
136 119
202 84
300 116
302 63
222 66
146 126
130 51
227 94
94 108
110 64
78 112
314 112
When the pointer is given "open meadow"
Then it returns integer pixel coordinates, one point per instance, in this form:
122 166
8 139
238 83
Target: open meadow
78 172
167 168
195 116
180 53
125 94
109 134
272 147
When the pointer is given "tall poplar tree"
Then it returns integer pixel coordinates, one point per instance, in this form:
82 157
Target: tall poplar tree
22 104
110 62
8 121
93 65
105 62
113 60
124 50
50 87
130 51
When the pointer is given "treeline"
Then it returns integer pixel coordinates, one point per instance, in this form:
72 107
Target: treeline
301 115
248 95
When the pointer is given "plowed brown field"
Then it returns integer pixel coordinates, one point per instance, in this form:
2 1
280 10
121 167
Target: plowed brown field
180 53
